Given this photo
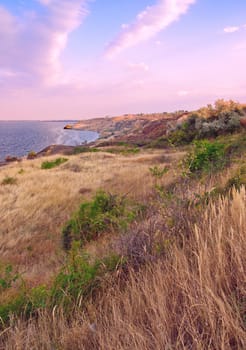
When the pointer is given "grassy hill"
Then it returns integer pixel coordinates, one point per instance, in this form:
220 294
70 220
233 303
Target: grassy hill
129 247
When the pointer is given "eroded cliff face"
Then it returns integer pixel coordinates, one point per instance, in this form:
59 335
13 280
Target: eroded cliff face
131 128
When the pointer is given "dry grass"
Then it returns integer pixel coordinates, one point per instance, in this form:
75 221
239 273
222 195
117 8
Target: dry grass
193 298
34 209
189 295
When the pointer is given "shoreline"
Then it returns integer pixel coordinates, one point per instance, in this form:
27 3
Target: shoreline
47 151
50 150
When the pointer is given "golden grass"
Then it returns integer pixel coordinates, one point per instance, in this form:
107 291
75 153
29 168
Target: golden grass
34 210
192 298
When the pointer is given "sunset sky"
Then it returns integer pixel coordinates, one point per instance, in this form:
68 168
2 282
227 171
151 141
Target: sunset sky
75 59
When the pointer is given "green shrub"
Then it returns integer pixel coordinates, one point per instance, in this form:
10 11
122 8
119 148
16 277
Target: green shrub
80 276
7 277
124 151
54 163
206 157
16 306
158 172
77 279
37 298
181 137
8 180
85 149
106 212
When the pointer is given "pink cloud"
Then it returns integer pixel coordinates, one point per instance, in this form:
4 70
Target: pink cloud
148 23
31 46
139 66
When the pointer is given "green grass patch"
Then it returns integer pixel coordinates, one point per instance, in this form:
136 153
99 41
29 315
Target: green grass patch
8 180
54 163
123 151
85 149
76 280
105 213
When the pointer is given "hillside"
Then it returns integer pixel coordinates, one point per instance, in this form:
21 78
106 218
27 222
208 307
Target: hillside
129 243
130 128
144 128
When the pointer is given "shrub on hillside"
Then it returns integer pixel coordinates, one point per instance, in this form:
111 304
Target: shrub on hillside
53 163
206 156
196 127
8 180
106 212
85 149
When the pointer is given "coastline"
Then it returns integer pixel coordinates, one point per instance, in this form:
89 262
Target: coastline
50 150
47 151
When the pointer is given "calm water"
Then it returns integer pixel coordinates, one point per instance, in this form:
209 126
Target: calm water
19 138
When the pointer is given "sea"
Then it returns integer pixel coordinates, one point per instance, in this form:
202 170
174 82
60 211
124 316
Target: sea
18 138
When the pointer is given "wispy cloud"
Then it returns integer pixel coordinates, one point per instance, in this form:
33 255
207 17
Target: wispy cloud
31 46
231 29
139 66
234 29
148 23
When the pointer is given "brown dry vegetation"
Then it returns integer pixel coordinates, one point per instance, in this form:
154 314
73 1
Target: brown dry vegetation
193 298
184 283
34 210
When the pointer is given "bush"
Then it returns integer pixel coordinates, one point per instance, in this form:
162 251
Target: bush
206 157
16 306
106 212
7 277
31 155
54 163
158 172
85 149
78 277
8 180
124 152
196 127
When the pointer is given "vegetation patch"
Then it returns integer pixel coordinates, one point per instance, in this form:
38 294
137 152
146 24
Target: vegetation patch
31 155
85 149
158 172
8 180
54 163
206 157
106 212
124 151
77 279
209 122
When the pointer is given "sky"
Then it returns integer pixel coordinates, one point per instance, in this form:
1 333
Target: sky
79 59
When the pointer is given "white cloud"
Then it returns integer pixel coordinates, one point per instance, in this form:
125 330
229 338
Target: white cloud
140 66
231 29
31 46
148 23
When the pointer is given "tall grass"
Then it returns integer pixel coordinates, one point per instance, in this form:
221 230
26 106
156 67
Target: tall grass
35 209
192 298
